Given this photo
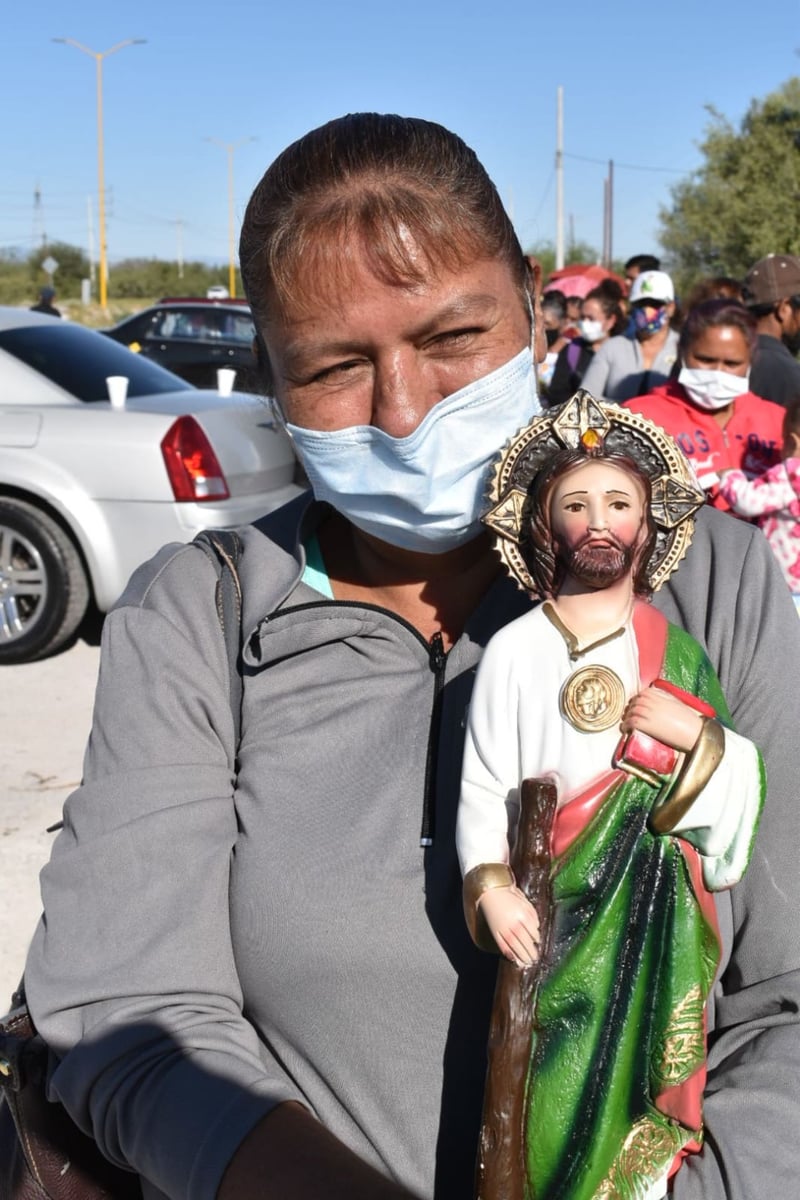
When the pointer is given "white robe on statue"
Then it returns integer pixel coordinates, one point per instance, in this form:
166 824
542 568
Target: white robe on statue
516 731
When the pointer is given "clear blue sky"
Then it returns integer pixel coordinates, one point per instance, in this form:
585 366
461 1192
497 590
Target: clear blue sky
636 79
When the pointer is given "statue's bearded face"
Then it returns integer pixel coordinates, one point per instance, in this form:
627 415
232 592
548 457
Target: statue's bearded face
597 517
597 566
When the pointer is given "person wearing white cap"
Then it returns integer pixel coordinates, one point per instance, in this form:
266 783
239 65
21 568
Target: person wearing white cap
626 367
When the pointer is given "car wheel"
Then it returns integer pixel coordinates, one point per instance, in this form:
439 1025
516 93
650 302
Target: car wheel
44 592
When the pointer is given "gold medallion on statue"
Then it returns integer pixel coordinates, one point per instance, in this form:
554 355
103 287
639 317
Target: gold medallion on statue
593 699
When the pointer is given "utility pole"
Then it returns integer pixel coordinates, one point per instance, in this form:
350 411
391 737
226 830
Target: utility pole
98 57
229 148
39 232
608 215
90 243
560 179
178 223
180 248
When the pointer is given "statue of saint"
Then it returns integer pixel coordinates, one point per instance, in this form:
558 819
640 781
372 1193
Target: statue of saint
657 801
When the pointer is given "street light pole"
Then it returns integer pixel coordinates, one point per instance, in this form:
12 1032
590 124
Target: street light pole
101 189
229 148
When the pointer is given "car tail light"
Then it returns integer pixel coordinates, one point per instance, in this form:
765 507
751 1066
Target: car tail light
192 466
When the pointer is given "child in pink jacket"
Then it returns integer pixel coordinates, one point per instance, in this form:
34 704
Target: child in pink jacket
774 499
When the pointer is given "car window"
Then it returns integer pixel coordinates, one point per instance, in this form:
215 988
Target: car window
79 360
198 324
194 324
162 325
239 328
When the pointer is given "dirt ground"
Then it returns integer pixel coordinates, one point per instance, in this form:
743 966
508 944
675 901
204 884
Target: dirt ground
45 714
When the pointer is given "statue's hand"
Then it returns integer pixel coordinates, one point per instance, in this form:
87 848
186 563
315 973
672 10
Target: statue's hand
663 716
513 923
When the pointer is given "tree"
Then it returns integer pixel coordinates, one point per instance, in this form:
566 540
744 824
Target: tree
145 279
576 252
15 287
742 203
73 266
149 277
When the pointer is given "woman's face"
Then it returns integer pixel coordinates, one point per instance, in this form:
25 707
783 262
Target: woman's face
650 317
377 353
720 348
592 310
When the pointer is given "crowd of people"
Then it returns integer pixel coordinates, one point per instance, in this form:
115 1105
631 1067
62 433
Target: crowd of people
719 374
253 969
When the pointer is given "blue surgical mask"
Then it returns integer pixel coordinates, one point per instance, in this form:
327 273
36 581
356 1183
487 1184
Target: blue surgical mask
424 492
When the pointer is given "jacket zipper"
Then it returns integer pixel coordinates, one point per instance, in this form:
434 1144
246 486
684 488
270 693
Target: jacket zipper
437 661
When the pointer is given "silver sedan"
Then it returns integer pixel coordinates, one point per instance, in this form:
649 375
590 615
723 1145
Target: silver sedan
89 489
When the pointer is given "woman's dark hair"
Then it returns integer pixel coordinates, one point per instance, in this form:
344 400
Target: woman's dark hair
608 295
538 547
555 302
644 262
409 193
717 314
714 287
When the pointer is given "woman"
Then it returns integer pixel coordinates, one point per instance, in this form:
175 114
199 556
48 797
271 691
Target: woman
624 367
602 317
556 325
255 980
717 422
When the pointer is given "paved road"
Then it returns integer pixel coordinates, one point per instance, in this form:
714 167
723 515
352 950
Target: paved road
45 714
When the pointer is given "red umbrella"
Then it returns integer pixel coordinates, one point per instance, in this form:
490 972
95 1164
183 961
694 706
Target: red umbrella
580 278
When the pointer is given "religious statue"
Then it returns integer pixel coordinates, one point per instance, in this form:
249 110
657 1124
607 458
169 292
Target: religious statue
613 720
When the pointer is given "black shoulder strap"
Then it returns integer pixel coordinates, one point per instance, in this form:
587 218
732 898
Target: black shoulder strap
224 548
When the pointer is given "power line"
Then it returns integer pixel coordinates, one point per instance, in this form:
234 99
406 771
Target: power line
545 194
603 162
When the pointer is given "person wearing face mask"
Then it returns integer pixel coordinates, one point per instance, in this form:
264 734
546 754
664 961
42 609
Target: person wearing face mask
771 291
253 971
708 407
602 317
556 326
624 367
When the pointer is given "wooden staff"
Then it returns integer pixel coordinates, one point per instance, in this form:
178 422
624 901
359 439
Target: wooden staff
501 1168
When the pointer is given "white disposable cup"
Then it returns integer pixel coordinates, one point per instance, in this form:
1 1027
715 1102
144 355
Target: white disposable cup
117 390
225 378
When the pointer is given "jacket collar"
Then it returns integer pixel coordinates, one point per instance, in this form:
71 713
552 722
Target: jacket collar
274 560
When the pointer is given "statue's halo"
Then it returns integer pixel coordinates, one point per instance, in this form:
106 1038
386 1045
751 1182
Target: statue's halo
676 495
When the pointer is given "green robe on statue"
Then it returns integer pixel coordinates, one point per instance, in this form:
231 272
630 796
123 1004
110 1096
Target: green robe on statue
618 1054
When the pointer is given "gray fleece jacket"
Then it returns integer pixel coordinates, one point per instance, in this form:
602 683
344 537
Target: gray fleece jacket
213 944
617 371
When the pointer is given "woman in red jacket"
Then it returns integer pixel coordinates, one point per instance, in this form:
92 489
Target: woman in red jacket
707 407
